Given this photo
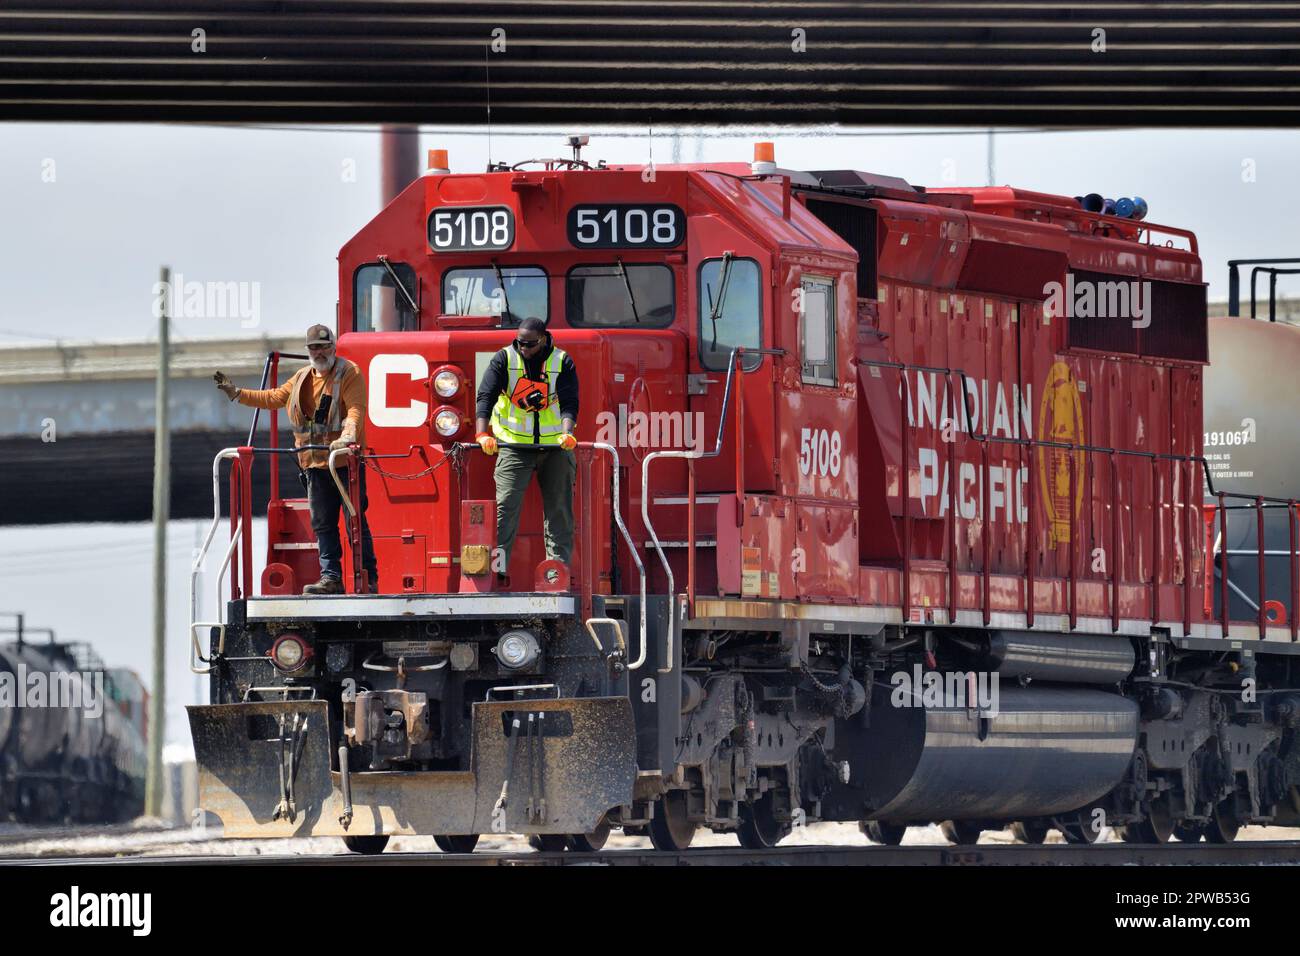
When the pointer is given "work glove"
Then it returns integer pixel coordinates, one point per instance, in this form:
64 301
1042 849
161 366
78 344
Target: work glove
348 437
487 441
226 385
568 442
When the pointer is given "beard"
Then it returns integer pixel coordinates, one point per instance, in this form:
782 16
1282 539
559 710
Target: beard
322 363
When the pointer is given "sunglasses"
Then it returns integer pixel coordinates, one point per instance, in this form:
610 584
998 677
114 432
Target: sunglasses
529 344
319 348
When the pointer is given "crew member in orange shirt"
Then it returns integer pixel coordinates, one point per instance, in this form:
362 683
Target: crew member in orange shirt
326 402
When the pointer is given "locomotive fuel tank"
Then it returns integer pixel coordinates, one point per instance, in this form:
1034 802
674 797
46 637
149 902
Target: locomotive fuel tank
1082 658
1038 752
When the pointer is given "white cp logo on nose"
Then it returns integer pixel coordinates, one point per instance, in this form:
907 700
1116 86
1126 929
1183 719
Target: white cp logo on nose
414 413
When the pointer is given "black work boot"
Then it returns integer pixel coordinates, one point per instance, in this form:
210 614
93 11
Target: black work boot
325 586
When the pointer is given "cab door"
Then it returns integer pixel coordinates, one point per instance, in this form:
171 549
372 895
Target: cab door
817 437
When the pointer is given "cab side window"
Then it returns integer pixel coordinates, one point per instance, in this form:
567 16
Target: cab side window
817 331
731 312
378 305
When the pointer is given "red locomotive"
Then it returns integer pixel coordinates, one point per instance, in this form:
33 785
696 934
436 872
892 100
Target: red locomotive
889 510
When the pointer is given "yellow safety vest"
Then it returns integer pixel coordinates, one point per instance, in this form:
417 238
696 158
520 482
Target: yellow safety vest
512 421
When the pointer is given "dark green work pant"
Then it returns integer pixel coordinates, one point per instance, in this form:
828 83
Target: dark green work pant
556 470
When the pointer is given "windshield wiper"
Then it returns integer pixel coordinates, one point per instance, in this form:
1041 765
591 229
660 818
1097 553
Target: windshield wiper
383 261
501 284
627 284
715 308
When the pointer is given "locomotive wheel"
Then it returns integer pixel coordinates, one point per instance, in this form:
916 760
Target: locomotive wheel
1189 832
670 830
961 832
1030 831
548 842
369 845
457 843
1158 826
759 828
884 833
1078 829
1081 826
590 842
1224 822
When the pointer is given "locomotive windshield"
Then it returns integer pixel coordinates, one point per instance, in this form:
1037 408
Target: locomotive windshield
379 305
739 318
520 291
620 294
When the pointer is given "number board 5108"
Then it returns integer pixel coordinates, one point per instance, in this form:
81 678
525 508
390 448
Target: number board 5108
626 226
471 228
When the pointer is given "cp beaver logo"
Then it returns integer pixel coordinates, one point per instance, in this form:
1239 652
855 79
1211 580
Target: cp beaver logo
1060 419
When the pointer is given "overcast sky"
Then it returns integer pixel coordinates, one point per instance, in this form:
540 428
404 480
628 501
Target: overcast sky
90 212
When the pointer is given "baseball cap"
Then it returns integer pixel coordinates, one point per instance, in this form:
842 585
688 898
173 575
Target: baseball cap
320 335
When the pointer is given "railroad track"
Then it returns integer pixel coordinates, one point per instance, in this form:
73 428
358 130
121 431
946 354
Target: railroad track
11 833
1253 853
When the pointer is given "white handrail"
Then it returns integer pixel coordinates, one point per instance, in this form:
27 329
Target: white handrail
197 567
654 539
343 492
631 548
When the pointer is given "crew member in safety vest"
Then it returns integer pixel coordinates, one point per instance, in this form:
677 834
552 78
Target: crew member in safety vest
326 401
529 395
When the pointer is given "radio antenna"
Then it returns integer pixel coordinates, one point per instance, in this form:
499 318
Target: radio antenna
487 71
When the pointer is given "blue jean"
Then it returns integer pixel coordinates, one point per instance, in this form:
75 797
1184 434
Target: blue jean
324 500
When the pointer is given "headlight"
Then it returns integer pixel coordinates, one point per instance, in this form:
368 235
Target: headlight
517 649
290 652
447 383
447 422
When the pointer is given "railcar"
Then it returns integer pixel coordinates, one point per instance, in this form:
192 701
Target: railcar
891 509
72 736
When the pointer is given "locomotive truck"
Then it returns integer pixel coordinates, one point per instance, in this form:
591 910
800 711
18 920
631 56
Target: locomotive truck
889 509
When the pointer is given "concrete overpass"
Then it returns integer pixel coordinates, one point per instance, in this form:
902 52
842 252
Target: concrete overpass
76 426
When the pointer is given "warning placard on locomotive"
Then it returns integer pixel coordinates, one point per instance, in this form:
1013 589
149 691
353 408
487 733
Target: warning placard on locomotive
410 648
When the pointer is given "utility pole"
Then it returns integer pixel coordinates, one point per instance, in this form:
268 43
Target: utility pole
153 792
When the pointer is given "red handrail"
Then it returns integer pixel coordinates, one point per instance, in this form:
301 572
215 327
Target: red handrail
690 534
905 496
1155 541
954 541
740 452
1031 542
241 517
1223 550
274 438
986 535
1259 548
1114 542
1188 505
1072 552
